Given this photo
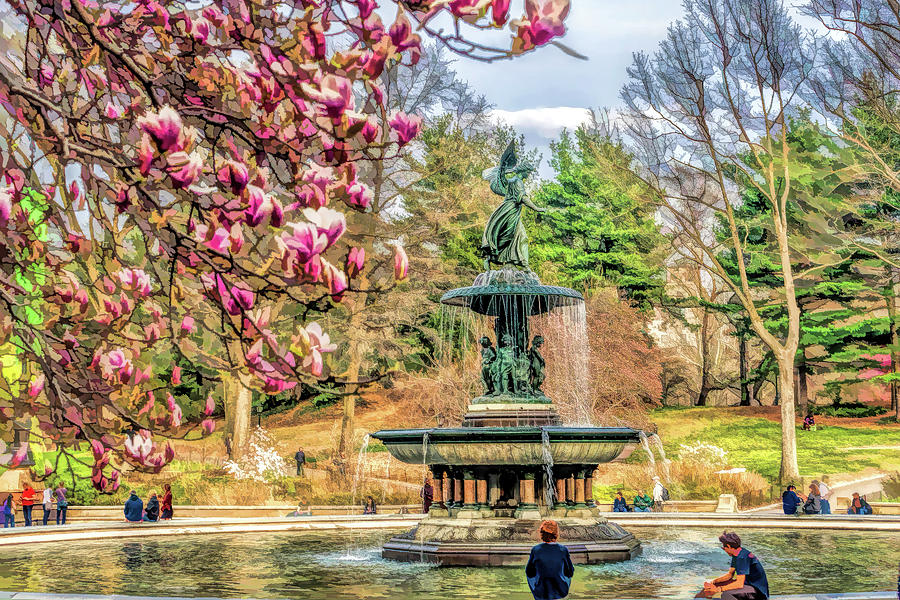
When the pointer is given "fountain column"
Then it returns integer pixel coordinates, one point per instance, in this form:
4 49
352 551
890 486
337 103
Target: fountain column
468 489
481 490
589 488
458 489
570 490
579 489
560 494
528 508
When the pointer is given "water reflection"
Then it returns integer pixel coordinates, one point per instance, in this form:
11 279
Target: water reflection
333 565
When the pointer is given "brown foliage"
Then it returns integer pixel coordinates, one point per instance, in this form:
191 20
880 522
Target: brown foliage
625 367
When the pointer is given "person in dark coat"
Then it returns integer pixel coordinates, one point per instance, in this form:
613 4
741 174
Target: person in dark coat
859 506
151 513
134 508
619 504
427 495
549 570
790 500
300 458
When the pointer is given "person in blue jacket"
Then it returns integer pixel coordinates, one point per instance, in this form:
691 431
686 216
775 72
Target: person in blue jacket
790 500
134 508
619 504
745 580
549 570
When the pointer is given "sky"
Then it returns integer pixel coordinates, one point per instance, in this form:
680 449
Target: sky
543 91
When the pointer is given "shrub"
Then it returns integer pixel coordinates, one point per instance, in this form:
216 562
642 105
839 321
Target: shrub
261 463
703 455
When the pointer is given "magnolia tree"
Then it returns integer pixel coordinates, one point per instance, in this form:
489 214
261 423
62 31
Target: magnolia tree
189 173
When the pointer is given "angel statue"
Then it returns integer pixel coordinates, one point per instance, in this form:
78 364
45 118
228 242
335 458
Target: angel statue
504 241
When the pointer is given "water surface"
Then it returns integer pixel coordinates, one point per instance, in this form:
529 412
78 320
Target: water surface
339 565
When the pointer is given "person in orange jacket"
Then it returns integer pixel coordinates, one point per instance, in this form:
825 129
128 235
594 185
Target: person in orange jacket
28 496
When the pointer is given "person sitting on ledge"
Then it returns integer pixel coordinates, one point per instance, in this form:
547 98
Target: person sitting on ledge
302 510
151 513
809 423
619 504
370 508
813 504
745 580
642 502
134 508
790 500
549 570
859 506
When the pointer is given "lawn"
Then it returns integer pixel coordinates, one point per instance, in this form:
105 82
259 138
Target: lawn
755 442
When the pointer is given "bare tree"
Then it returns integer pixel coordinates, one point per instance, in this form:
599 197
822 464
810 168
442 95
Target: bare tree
707 117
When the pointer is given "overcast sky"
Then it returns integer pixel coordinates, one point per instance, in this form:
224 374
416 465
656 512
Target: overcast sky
545 90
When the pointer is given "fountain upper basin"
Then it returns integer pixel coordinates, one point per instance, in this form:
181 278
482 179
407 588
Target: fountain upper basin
471 446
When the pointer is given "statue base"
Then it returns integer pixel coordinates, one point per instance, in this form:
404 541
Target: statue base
507 414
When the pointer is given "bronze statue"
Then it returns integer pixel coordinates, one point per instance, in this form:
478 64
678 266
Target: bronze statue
505 367
504 241
488 355
536 365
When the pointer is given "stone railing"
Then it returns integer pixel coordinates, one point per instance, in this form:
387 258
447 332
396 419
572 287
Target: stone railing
115 513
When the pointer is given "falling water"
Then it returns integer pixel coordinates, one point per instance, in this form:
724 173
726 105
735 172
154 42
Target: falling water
360 466
547 456
657 441
645 444
387 477
425 438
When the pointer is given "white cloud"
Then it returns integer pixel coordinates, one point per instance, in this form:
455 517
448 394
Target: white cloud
542 122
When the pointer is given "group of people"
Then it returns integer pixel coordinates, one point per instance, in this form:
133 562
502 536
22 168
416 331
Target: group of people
155 510
818 501
549 570
642 501
49 497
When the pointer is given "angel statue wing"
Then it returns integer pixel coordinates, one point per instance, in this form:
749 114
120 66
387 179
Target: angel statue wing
496 174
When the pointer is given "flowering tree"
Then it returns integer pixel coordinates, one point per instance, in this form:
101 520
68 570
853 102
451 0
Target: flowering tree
194 168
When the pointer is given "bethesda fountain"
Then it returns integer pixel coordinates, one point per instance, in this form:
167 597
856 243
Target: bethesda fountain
511 463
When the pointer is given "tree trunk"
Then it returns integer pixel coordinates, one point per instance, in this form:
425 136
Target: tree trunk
238 406
802 387
348 426
704 360
789 470
891 302
743 369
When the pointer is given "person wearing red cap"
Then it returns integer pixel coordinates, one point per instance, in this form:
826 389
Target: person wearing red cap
549 570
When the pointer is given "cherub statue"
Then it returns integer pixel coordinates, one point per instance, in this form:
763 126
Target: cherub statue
504 241
536 365
488 355
505 367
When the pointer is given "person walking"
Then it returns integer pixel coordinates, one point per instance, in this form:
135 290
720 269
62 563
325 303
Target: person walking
165 507
28 497
619 504
300 457
134 508
813 504
745 580
427 495
151 512
47 503
660 494
9 511
62 505
549 570
790 500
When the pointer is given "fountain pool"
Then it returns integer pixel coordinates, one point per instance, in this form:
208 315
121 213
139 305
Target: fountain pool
344 565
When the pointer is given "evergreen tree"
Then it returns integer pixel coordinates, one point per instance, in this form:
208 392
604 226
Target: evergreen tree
595 232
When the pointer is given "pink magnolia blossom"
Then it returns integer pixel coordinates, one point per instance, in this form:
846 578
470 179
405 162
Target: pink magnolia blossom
359 195
356 259
402 35
113 110
210 406
135 279
314 342
335 280
151 401
46 74
163 127
401 263
208 426
330 223
405 127
544 20
334 94
6 204
263 205
176 375
301 245
235 175
500 12
98 449
244 298
370 131
37 385
138 447
145 155
184 168
200 30
365 7
187 324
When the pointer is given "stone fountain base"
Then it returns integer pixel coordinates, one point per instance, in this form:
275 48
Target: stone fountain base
494 542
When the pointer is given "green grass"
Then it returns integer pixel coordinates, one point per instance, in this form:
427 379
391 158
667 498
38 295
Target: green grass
755 443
